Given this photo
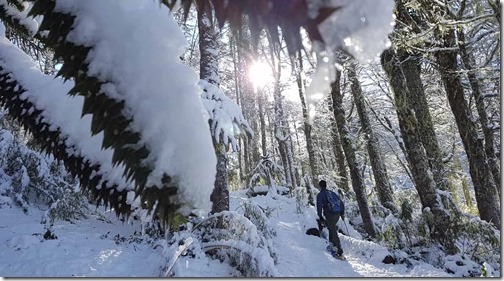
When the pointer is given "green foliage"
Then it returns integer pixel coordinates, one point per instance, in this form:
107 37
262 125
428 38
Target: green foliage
391 234
406 211
467 196
479 240
72 206
391 229
452 187
38 180
33 178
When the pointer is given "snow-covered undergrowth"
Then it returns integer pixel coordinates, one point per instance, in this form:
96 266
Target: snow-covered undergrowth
263 235
29 179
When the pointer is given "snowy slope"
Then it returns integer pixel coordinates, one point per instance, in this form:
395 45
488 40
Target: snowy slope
107 248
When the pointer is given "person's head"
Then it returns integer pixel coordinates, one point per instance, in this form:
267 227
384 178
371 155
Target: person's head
322 184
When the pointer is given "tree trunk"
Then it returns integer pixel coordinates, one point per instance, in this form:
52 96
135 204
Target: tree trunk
240 161
207 45
469 63
349 149
309 189
290 161
281 125
238 101
262 122
239 63
220 194
342 180
496 7
483 182
410 66
272 135
307 126
417 158
255 126
249 99
380 174
282 138
209 72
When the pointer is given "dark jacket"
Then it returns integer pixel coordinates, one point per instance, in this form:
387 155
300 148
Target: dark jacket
322 204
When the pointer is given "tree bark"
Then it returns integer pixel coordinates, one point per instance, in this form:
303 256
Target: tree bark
468 60
281 125
220 194
410 65
383 187
417 158
483 182
209 72
241 143
349 149
307 126
496 7
342 180
262 122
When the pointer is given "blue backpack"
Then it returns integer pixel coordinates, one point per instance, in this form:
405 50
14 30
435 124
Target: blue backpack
334 203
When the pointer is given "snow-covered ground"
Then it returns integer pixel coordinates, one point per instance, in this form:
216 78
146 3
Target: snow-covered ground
105 247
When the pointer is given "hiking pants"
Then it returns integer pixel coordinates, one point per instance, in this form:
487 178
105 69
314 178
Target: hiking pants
331 220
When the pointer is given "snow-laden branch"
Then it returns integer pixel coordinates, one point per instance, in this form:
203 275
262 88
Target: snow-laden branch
435 49
466 21
16 17
125 59
40 103
245 238
226 117
258 257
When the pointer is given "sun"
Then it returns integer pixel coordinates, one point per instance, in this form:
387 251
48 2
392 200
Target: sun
260 74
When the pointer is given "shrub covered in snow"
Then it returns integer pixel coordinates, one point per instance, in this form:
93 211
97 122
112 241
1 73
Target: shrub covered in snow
268 172
229 237
476 242
30 178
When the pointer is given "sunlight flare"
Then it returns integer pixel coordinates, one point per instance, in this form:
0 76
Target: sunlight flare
260 74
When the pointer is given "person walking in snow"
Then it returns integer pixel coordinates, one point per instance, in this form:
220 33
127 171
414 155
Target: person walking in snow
330 208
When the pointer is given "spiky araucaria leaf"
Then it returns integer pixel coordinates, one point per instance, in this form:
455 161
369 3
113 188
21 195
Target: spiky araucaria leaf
39 103
16 3
53 141
146 147
271 15
107 112
13 13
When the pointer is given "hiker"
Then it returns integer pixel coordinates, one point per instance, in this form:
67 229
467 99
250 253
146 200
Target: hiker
333 208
